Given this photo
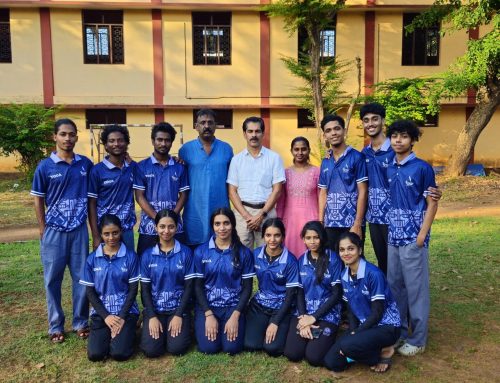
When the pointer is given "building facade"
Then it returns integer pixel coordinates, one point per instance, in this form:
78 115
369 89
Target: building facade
145 61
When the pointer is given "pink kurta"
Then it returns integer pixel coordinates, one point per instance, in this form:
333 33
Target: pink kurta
298 204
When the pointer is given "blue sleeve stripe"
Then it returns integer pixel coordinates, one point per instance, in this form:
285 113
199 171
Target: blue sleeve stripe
134 279
91 195
293 284
134 186
335 282
37 194
378 297
190 276
426 193
85 283
362 179
321 186
184 188
146 280
301 286
198 275
345 298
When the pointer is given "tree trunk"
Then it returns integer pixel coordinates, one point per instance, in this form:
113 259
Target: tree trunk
468 136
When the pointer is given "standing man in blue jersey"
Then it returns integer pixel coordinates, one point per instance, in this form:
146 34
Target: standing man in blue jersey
207 160
343 188
411 214
60 191
160 183
379 155
110 186
255 179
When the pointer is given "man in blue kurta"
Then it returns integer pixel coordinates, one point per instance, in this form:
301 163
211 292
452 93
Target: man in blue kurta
207 160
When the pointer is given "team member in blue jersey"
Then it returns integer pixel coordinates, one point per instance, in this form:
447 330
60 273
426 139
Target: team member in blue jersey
167 273
110 185
60 184
374 322
312 332
411 215
160 183
111 278
224 271
379 155
269 312
342 182
207 160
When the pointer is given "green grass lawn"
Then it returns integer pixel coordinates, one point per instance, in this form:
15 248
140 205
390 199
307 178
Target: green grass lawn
463 327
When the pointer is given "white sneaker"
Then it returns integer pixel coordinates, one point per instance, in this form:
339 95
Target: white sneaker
409 350
399 343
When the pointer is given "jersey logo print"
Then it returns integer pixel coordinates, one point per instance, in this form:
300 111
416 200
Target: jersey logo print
83 172
409 182
57 175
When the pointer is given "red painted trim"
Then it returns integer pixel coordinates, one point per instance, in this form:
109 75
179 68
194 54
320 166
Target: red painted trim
265 58
47 64
125 4
265 114
159 116
369 51
370 3
158 75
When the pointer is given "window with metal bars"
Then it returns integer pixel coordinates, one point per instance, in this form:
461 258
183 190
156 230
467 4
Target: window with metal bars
211 38
304 119
328 43
105 116
5 46
103 37
421 47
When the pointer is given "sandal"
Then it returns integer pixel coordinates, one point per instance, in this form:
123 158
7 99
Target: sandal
386 361
57 337
83 333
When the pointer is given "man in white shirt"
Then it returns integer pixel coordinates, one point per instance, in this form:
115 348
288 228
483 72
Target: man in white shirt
255 179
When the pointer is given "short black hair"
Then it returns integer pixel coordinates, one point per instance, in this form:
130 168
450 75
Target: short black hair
332 117
373 108
404 126
64 121
164 127
205 112
256 120
108 129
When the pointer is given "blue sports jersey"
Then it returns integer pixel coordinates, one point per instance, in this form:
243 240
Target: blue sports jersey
207 179
340 178
112 187
408 183
317 294
111 277
370 286
222 277
64 188
161 185
275 277
167 273
377 163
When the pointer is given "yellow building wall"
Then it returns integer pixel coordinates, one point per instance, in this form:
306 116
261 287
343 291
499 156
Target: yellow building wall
404 2
21 80
388 41
238 83
79 83
486 150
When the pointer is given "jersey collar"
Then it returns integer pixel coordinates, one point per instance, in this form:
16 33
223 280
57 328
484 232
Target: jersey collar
121 251
155 161
282 259
406 160
177 248
384 147
54 157
262 152
361 271
347 150
109 165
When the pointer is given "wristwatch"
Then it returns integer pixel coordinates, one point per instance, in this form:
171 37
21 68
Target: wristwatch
264 214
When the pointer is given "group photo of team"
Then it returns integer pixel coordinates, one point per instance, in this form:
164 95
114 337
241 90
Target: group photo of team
234 252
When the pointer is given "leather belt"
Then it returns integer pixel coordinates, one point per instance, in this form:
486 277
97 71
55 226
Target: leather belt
254 205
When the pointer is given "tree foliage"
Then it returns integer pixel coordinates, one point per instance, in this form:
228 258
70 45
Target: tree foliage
26 132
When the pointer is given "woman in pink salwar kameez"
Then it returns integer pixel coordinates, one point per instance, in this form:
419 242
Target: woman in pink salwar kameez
298 203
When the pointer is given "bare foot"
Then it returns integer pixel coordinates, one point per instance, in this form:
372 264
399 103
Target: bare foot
385 360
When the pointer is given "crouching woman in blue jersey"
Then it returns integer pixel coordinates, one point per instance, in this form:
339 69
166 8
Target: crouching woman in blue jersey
224 274
111 277
374 321
312 332
167 275
269 312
